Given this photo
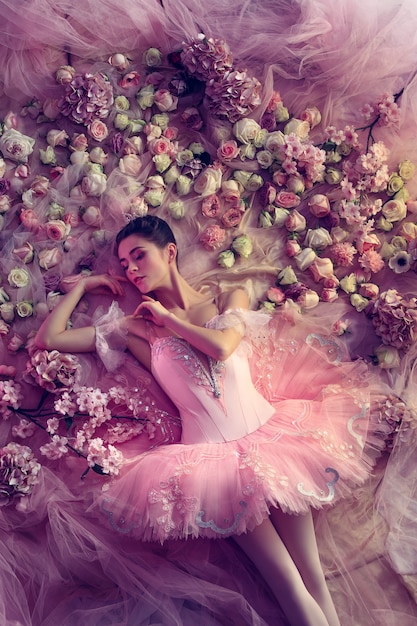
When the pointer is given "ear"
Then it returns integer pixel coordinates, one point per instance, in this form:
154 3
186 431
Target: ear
172 252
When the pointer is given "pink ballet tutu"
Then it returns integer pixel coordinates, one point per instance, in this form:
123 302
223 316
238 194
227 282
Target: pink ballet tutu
308 453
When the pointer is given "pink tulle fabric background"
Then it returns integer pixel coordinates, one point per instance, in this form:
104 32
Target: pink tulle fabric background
58 563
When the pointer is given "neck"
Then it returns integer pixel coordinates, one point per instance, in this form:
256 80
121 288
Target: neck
178 294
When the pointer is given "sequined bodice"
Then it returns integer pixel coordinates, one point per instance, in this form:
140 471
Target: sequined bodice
216 400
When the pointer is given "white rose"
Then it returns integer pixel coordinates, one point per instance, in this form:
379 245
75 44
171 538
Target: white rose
18 277
183 185
298 127
318 238
24 308
274 142
94 184
305 258
15 146
208 182
246 130
7 311
264 158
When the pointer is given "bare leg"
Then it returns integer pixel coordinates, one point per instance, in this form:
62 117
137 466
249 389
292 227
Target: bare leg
297 533
267 551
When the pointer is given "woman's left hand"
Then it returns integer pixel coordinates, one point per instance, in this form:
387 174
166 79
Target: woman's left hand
152 310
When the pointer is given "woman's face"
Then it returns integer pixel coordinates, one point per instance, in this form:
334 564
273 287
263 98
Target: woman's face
145 265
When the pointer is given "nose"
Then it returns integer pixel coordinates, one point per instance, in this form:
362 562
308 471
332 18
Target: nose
132 266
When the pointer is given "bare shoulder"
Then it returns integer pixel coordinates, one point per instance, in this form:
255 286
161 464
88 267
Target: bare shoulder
234 299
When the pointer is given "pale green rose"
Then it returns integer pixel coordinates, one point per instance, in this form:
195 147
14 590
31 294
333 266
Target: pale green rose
122 103
226 259
184 156
287 276
406 169
300 128
154 197
196 148
145 97
121 121
247 151
333 176
399 243
171 175
246 130
395 183
161 120
259 140
333 157
93 168
359 302
24 308
318 238
55 211
387 250
243 246
48 156
18 277
4 296
254 183
136 126
387 357
348 283
281 114
265 220
242 177
267 306
403 195
162 162
7 311
152 57
280 215
176 209
383 224
183 185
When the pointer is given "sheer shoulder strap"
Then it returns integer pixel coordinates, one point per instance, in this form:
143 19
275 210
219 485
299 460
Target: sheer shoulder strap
110 336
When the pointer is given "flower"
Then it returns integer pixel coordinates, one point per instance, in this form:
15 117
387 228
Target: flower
206 58
152 57
49 258
242 245
18 277
53 370
394 319
176 209
387 357
228 150
208 182
226 259
19 471
57 230
394 210
213 237
24 308
15 146
233 95
318 238
319 205
87 97
98 130
400 262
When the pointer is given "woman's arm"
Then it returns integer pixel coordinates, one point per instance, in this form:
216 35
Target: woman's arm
53 333
218 344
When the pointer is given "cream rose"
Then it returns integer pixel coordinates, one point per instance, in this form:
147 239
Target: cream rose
162 162
246 130
321 268
152 57
243 246
394 210
301 128
305 258
226 259
348 283
359 302
319 205
91 216
7 311
18 277
50 258
406 169
395 183
275 142
176 209
131 165
287 276
264 158
94 184
24 308
318 238
208 182
15 146
183 185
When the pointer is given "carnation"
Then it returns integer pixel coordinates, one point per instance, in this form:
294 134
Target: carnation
342 253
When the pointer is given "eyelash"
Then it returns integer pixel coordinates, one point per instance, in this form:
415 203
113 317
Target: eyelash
138 257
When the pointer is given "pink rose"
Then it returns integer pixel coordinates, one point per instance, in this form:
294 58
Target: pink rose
160 145
29 220
329 295
15 343
171 133
92 216
275 295
57 137
210 206
295 222
79 142
51 108
131 165
232 217
98 130
331 282
280 178
50 258
22 171
319 205
311 115
71 219
57 230
231 191
213 237
10 121
165 100
369 290
267 194
287 199
228 150
24 252
192 118
292 247
40 186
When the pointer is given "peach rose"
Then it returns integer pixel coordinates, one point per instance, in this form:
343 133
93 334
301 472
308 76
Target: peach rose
57 230
208 182
228 150
98 130
319 205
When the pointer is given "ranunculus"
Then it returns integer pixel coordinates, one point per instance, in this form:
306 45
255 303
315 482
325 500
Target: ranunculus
131 79
246 130
295 222
152 57
98 130
15 146
394 210
24 252
318 238
18 277
176 209
165 101
131 165
213 237
306 257
321 268
91 216
50 258
387 357
226 259
24 308
319 205
208 182
228 150
286 276
94 184
232 217
183 185
312 115
243 246
57 230
119 61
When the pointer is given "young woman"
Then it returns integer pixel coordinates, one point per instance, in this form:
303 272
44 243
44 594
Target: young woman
250 465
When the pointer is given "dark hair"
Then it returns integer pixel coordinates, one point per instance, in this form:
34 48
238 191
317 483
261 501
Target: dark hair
150 227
